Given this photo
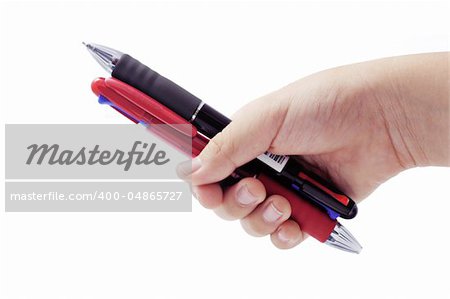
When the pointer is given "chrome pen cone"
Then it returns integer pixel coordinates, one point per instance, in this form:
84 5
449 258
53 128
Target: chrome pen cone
342 239
105 56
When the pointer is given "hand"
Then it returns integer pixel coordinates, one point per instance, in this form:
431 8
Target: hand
356 125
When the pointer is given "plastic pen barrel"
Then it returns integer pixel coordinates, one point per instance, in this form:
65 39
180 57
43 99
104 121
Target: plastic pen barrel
310 219
182 102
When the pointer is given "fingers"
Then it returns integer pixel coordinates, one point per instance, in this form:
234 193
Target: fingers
288 235
209 196
236 202
259 216
267 217
247 136
241 199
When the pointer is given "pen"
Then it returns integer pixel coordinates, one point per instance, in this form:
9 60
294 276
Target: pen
141 108
209 122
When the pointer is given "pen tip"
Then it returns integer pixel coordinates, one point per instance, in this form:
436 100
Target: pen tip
89 46
341 238
105 56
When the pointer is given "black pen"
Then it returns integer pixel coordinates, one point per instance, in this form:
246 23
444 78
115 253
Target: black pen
209 122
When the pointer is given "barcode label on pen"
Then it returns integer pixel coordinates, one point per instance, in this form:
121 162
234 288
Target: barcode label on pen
277 162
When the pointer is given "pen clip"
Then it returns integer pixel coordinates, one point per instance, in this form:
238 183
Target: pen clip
335 203
151 106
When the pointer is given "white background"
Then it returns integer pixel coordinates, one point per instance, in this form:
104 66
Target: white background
227 54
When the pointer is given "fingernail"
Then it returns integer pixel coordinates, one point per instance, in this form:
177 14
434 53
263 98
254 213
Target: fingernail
188 167
271 214
283 236
244 197
196 163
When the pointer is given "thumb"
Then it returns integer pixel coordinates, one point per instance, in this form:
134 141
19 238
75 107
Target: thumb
250 134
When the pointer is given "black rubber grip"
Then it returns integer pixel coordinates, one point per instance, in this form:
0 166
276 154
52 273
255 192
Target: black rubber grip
209 121
171 95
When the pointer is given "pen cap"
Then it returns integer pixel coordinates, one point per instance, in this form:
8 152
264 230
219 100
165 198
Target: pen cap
171 95
311 219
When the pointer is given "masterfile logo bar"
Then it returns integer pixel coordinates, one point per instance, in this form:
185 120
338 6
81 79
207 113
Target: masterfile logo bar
88 152
91 168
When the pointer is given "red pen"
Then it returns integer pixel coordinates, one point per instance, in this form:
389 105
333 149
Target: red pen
141 108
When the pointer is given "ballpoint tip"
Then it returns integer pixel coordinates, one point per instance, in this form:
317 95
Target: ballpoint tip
342 239
88 45
105 56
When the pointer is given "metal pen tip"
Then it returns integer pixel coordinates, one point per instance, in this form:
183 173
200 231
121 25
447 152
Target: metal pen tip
105 56
342 239
88 46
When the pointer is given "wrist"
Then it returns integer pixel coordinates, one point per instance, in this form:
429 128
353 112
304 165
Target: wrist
412 97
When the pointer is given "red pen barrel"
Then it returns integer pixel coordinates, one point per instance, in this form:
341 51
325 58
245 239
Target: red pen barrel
310 218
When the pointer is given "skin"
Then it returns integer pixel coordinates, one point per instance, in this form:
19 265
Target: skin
356 125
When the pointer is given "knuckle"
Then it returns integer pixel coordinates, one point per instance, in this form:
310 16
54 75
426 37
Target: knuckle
215 145
224 213
221 146
252 228
283 204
